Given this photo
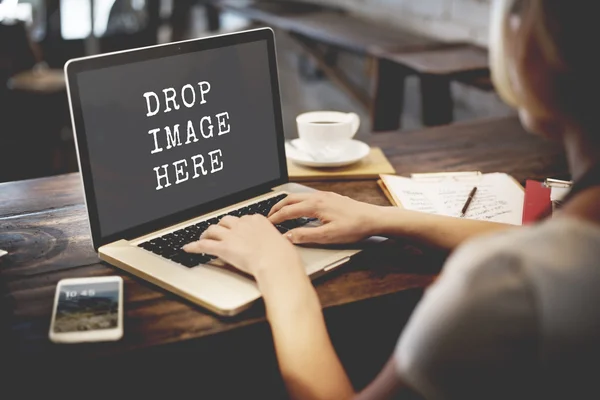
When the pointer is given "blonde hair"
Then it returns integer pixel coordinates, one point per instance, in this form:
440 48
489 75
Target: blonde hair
551 56
499 29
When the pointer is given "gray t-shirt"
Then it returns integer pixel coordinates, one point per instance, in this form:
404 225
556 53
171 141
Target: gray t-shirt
512 316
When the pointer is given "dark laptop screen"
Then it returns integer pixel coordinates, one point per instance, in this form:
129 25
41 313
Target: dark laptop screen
172 133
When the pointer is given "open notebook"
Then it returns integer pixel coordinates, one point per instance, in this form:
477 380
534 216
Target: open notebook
499 197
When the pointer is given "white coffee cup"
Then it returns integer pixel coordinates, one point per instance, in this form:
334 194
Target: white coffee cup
327 129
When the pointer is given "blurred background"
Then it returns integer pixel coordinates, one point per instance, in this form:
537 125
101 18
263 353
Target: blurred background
37 37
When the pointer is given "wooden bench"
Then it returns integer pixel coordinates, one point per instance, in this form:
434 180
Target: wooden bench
436 68
321 31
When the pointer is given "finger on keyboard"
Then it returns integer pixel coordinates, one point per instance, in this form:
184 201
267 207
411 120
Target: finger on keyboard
290 199
292 211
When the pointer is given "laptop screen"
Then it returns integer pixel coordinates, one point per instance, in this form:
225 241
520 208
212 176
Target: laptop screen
172 133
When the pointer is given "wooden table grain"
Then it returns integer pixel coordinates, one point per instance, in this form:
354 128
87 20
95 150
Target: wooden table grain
44 227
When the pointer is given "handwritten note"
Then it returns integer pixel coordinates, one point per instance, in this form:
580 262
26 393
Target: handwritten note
499 198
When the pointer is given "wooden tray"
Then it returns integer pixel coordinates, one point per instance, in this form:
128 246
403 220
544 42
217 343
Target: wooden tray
370 167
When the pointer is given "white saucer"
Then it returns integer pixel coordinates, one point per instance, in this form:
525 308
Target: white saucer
351 153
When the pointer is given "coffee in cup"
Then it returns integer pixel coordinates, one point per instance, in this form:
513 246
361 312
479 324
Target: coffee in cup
331 130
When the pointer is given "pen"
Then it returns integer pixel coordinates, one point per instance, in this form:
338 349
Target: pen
468 202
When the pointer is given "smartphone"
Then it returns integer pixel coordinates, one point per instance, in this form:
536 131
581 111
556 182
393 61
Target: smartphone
87 310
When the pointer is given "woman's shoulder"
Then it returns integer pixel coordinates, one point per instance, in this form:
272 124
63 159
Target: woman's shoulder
554 244
556 262
502 302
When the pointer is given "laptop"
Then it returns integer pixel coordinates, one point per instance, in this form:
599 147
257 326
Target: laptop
170 139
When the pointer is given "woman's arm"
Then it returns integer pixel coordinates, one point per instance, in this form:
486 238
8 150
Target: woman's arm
346 221
307 360
308 363
437 230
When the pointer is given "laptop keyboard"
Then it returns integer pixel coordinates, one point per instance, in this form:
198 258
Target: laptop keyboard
169 245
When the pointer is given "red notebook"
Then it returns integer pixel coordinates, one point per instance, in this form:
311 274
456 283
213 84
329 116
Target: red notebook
537 202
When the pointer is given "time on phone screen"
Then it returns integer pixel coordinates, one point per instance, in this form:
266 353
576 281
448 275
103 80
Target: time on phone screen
87 307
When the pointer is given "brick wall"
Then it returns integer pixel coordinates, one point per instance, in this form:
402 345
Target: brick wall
450 20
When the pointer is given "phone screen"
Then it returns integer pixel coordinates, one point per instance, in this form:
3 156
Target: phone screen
87 307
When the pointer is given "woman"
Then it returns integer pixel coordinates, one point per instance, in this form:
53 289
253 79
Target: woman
513 314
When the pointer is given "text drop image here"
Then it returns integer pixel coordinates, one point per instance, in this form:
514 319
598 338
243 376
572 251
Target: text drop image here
203 132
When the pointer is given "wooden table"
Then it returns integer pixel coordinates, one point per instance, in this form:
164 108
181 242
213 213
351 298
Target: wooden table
45 81
43 225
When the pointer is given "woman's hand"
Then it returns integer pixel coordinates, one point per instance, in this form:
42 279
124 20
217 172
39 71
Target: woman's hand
250 243
253 245
344 220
